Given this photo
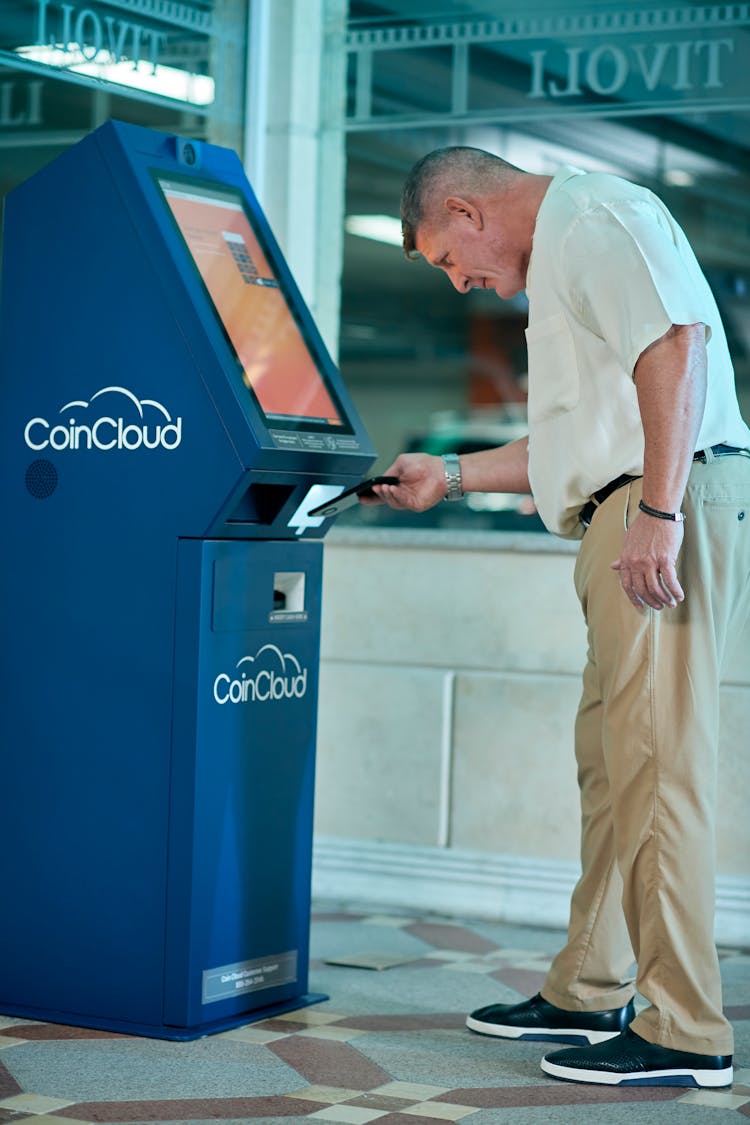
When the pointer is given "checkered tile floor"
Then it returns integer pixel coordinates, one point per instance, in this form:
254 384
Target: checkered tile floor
388 1046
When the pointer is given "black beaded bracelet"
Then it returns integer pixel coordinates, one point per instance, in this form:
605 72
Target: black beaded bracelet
676 517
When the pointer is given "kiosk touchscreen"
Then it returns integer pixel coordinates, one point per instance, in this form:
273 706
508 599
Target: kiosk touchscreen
166 426
277 365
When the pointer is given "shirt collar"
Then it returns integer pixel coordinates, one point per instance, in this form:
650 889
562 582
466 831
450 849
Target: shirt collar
564 173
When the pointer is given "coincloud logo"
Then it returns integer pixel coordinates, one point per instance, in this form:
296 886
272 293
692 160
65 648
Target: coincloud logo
268 676
113 418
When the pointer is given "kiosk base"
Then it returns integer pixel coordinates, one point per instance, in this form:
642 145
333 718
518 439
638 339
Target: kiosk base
174 1034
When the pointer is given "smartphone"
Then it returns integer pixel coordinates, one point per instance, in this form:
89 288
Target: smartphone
349 498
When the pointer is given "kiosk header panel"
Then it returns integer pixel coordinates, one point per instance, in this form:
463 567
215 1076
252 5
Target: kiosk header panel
194 328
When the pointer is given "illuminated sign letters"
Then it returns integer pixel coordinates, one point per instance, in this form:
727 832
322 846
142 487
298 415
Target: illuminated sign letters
77 28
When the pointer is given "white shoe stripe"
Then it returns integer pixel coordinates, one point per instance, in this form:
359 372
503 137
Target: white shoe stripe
507 1031
610 1078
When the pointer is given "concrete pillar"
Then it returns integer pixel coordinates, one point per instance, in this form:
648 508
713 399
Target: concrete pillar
227 62
294 141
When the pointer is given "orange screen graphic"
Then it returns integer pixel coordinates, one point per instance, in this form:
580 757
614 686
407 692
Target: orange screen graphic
276 363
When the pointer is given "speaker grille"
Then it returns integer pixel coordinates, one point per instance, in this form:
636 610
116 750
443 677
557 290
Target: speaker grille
41 479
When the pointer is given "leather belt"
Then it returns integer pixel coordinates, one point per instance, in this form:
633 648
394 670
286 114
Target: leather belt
587 511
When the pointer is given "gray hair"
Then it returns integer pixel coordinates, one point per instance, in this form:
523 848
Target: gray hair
471 168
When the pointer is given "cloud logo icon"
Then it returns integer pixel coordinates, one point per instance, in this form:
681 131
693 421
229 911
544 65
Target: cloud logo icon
269 676
138 403
281 656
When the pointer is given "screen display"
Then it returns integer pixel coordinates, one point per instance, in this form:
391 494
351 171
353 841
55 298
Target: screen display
276 362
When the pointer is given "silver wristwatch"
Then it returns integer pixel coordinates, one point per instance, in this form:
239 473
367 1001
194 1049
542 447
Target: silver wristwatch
452 467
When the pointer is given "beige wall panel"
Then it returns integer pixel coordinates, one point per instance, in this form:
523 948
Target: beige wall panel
452 609
379 753
508 625
514 772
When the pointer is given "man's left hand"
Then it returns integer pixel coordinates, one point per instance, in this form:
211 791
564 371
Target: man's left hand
647 563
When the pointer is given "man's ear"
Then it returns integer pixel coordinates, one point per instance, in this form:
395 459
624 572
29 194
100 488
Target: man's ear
463 208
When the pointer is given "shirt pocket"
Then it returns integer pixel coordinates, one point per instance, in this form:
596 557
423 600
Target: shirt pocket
554 384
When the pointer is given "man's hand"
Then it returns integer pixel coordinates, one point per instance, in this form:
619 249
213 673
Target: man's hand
670 381
647 562
422 483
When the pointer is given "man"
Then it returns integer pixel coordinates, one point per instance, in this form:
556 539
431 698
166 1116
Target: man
636 445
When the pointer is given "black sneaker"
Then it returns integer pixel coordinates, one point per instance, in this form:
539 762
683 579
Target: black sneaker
629 1060
538 1020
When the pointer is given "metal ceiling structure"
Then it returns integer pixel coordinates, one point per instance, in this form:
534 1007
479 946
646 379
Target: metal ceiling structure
629 62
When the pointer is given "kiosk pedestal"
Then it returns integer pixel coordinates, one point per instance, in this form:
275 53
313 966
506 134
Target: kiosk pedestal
169 415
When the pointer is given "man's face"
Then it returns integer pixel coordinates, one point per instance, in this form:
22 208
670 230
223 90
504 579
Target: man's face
473 254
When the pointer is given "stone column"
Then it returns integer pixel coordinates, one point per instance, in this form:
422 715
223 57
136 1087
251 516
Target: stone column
295 144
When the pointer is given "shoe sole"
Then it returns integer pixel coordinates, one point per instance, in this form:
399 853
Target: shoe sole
679 1076
577 1036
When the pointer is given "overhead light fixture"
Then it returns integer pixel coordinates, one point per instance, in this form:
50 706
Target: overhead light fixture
380 228
677 177
167 81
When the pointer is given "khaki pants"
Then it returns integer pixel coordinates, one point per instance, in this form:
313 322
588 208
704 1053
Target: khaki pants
646 747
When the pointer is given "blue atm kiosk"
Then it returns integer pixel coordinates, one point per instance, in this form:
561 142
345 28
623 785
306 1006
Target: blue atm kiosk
168 417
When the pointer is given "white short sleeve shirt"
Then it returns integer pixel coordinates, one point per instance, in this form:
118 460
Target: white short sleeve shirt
610 272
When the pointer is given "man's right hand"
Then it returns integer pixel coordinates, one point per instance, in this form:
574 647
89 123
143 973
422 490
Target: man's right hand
422 483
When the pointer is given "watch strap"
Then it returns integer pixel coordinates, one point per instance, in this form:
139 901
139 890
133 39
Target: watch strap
452 466
676 517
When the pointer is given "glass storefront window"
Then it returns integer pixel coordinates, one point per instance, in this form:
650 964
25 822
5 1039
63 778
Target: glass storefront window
656 94
66 66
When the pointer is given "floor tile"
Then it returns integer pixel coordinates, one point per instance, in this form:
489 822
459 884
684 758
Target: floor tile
340 1034
470 967
440 1111
311 1016
391 1047
419 1092
351 1113
48 1119
451 935
515 956
328 1094
389 920
450 955
253 1035
324 1063
716 1099
381 1101
369 959
34 1103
